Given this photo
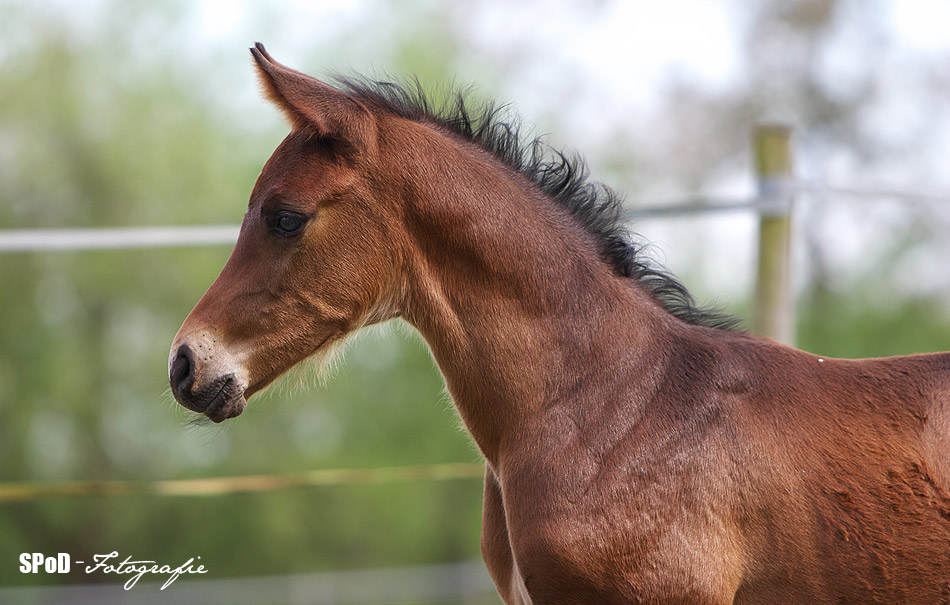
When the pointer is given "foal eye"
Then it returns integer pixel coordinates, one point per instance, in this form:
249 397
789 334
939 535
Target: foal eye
288 223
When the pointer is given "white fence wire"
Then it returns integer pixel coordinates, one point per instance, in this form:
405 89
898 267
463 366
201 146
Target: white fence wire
121 238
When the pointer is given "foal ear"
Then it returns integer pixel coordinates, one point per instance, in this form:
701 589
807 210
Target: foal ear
311 104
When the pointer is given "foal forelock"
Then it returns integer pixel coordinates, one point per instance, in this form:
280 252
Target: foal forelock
561 177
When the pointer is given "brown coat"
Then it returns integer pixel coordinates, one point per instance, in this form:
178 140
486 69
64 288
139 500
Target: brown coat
635 452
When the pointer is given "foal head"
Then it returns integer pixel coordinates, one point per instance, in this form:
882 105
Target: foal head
317 255
375 206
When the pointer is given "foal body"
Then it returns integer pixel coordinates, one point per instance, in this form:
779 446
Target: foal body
634 458
776 478
631 456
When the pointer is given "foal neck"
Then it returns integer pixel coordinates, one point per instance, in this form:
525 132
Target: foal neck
510 292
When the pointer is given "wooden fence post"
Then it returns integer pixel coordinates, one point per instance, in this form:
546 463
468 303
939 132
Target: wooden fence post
773 311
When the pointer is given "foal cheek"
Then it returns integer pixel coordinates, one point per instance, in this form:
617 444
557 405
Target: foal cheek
341 284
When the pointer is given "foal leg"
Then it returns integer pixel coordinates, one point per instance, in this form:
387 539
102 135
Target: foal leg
496 550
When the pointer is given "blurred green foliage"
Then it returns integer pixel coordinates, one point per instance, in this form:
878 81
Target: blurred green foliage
89 138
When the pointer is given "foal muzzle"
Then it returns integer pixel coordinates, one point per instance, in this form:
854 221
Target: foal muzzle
201 382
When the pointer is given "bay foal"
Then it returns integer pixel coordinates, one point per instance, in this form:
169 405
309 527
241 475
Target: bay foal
636 450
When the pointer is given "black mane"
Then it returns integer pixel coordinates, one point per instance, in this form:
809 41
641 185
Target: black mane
560 177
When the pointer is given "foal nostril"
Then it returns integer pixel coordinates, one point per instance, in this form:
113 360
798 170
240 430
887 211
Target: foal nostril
182 375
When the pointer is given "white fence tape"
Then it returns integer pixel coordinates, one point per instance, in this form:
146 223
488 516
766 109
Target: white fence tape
52 240
41 240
